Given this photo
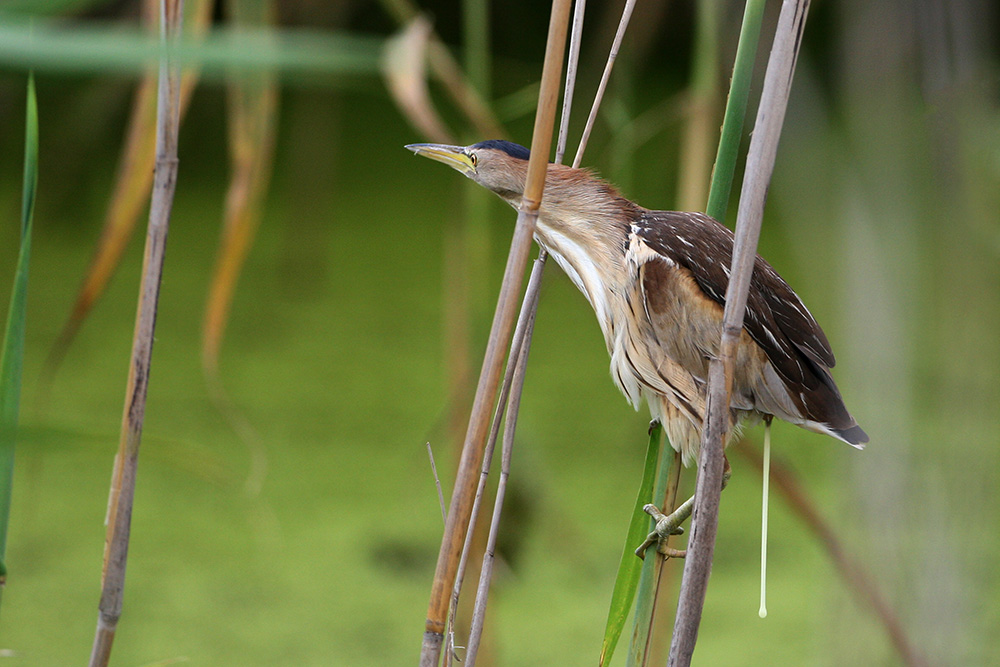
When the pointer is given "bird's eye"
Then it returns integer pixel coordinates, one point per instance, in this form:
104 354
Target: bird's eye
473 159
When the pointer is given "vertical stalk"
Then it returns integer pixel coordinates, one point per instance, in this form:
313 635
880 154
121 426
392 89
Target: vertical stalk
605 77
736 109
519 360
760 165
476 47
576 36
466 286
126 461
701 124
476 43
503 320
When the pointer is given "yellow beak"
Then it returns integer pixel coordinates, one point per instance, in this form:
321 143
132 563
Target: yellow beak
453 156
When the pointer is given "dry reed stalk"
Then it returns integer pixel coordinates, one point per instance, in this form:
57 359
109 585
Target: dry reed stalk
599 96
500 334
517 360
760 165
126 461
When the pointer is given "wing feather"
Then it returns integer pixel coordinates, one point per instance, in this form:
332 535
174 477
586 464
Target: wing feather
775 318
796 348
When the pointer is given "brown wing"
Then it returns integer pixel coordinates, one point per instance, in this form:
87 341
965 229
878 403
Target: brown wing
775 318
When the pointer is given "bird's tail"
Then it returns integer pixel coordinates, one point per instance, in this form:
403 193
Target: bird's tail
854 436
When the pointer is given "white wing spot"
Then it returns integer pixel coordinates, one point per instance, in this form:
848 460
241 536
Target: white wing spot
770 337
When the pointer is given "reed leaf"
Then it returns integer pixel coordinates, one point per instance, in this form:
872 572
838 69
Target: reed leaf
12 356
405 69
630 567
736 108
664 492
457 85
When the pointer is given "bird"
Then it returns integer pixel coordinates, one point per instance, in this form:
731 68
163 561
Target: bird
657 282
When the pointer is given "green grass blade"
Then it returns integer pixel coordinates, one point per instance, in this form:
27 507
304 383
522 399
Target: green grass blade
649 577
13 342
736 106
630 566
98 48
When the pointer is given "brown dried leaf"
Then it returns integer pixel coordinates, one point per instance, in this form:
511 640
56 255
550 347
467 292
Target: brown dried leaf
132 184
253 113
404 66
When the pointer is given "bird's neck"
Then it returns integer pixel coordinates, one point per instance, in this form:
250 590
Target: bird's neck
584 224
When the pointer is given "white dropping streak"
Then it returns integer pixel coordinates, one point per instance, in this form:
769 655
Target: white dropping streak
763 521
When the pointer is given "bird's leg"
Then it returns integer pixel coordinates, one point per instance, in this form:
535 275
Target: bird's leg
670 524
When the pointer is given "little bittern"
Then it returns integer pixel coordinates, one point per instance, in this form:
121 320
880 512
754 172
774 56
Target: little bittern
657 282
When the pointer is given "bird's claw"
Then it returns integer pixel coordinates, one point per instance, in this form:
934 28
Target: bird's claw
666 525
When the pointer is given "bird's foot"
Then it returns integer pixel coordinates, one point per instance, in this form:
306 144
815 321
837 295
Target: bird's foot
670 524
666 525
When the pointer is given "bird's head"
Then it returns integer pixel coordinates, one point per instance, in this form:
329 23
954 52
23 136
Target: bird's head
497 165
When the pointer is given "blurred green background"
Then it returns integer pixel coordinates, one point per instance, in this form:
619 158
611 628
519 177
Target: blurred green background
883 214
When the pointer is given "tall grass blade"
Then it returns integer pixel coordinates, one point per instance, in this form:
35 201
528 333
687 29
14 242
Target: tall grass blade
12 357
665 492
630 567
736 109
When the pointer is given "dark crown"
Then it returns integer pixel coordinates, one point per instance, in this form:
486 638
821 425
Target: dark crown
509 147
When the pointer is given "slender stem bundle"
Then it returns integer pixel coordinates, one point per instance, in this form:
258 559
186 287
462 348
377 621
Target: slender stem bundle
605 77
760 165
486 391
126 461
522 337
519 361
513 382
